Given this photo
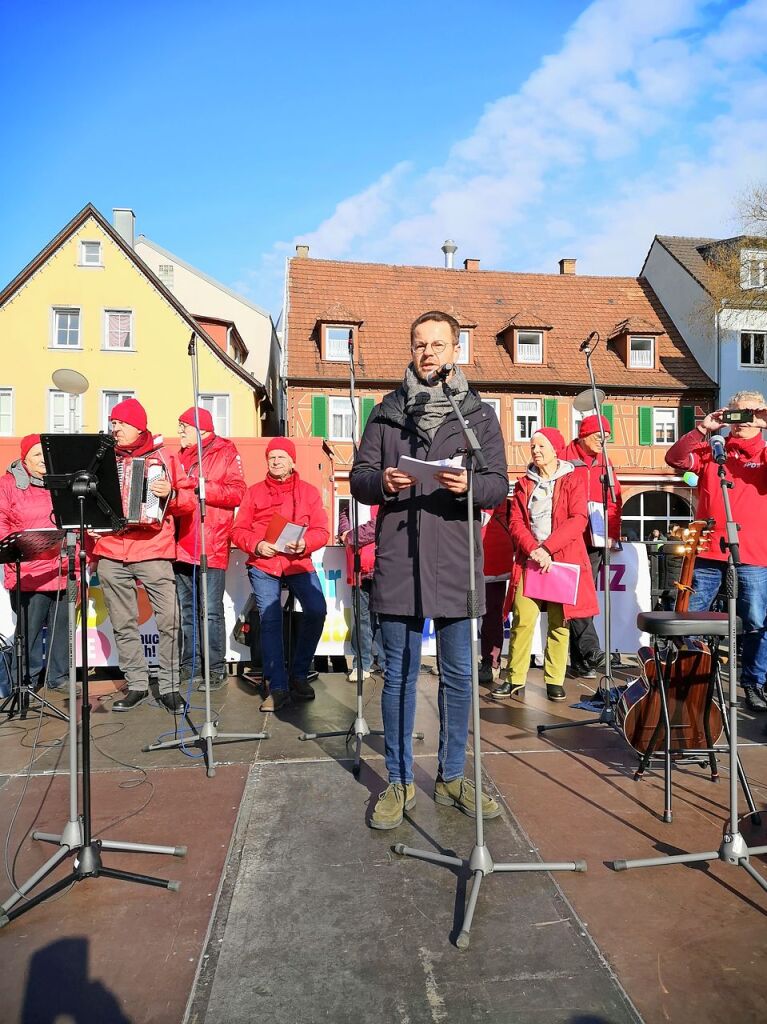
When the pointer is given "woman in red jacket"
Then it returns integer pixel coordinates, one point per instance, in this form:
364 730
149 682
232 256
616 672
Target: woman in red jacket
499 557
224 490
284 494
548 517
25 504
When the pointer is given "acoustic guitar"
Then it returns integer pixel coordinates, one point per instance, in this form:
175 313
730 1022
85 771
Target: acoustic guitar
640 711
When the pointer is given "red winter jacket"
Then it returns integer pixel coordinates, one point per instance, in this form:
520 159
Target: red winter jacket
747 469
298 502
366 538
593 463
146 543
26 506
497 543
565 542
224 490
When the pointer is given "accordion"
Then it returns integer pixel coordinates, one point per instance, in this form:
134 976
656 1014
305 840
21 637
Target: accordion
140 506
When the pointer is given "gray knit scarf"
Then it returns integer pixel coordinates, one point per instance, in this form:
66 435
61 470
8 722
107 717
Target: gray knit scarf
429 406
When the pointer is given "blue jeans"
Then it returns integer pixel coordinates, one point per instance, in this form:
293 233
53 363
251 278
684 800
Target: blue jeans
402 648
266 589
370 633
191 618
751 608
38 610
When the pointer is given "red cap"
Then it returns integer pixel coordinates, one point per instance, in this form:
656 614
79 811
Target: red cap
204 418
590 425
554 438
282 444
131 412
28 442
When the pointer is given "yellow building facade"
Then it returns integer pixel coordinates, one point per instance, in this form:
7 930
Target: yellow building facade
88 303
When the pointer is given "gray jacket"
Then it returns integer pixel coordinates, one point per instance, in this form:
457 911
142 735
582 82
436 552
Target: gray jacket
422 558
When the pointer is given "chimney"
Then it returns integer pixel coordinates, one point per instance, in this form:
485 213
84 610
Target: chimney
302 252
449 248
567 266
124 223
471 265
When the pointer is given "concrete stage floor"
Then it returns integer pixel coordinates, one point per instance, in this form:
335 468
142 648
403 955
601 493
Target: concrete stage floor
292 910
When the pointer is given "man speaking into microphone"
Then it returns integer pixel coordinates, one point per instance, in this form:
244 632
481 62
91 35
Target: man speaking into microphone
744 456
422 558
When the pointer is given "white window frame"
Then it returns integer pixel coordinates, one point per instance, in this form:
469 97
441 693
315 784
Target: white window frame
55 312
105 346
121 394
7 393
753 269
342 354
576 417
518 412
464 352
643 365
495 404
671 416
522 358
752 365
222 415
167 274
84 242
53 396
342 399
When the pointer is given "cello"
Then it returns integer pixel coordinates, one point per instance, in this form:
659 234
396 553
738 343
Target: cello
695 715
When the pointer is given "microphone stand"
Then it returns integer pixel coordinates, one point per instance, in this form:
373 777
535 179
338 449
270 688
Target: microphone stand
206 737
359 727
733 849
479 862
604 691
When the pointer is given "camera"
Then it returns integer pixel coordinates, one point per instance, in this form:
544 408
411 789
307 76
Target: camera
738 416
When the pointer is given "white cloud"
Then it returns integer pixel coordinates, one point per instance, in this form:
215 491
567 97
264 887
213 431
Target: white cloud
610 137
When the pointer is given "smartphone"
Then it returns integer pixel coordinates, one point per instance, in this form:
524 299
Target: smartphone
738 416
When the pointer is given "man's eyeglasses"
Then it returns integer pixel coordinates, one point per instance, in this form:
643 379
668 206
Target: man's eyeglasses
436 347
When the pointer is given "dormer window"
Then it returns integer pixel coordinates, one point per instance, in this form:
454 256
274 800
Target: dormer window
528 347
641 352
464 342
753 268
335 342
90 254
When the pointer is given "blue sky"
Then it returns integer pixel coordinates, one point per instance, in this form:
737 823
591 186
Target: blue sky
525 132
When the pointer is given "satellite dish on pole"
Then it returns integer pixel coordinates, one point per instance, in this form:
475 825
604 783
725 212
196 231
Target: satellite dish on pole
584 401
70 381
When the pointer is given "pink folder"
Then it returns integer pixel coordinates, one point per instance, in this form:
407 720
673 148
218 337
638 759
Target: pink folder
559 584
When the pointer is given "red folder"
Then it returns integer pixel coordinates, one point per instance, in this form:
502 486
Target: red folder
276 525
559 584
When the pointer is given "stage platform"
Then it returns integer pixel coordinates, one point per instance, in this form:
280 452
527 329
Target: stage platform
292 910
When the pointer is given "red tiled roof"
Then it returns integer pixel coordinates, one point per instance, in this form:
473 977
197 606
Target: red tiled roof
388 298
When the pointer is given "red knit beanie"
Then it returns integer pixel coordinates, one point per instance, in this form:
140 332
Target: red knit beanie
590 425
555 439
28 442
131 412
281 444
204 418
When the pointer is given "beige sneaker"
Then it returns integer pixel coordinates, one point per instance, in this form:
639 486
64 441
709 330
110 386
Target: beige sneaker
391 804
460 793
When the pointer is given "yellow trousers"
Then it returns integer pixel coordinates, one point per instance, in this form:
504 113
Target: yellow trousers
524 618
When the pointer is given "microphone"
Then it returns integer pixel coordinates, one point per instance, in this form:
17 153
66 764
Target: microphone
594 336
718 449
434 376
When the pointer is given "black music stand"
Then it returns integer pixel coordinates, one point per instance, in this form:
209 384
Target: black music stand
92 497
25 546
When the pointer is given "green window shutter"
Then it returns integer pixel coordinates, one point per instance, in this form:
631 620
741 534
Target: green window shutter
645 424
367 408
686 419
319 416
550 415
607 412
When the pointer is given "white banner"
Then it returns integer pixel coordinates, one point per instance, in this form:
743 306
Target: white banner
629 590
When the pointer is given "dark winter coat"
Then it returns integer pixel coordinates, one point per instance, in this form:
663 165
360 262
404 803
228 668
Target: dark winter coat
422 559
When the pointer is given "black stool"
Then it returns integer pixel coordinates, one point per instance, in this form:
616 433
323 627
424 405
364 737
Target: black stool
669 625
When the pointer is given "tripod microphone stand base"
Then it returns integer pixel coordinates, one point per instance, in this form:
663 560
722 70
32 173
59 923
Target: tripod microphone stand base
17 702
359 729
205 739
733 851
606 717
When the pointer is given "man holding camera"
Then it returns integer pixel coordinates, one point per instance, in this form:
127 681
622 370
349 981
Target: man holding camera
746 467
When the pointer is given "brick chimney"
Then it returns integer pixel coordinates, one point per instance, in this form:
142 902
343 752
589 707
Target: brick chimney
471 265
567 266
302 252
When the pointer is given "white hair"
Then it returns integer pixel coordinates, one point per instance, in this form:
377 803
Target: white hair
747 396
